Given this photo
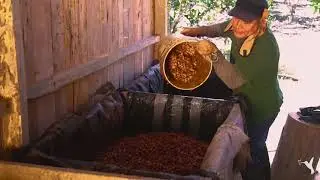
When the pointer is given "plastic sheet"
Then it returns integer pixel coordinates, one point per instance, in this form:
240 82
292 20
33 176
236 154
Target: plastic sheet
151 81
225 145
100 122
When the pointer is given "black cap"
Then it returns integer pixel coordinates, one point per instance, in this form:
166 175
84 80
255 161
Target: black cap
249 10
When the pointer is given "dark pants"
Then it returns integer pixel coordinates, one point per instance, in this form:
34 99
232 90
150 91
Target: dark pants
259 168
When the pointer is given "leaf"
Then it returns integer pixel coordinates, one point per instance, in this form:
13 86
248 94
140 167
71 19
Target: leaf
196 10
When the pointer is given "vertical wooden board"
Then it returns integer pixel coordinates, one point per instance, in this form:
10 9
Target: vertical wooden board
104 46
96 21
32 113
112 76
152 17
132 34
24 14
74 31
63 22
64 101
93 28
112 40
28 41
150 55
42 62
81 86
28 54
137 10
145 30
121 37
126 39
94 39
160 21
147 19
128 71
152 28
107 36
106 25
117 39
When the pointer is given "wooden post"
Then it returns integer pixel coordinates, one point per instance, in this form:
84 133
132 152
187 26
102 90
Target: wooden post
13 99
161 21
298 146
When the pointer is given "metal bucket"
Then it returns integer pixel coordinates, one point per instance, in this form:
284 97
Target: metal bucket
204 47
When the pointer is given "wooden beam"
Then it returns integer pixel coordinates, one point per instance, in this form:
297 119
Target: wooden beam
10 105
161 17
58 81
161 21
21 70
36 172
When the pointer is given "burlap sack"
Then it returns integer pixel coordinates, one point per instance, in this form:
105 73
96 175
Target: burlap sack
224 147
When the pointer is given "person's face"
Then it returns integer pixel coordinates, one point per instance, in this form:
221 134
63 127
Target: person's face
243 29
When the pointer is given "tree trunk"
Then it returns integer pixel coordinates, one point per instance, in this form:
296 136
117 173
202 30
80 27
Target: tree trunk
298 144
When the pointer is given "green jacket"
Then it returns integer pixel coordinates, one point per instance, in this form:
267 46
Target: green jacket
260 69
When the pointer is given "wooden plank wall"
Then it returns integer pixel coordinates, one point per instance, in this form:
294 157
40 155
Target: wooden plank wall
60 35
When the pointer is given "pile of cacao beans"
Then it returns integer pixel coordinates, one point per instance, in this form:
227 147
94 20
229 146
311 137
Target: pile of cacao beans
175 153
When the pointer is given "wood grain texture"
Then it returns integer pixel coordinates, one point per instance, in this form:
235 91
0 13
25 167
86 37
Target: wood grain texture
17 10
40 63
72 47
94 20
81 86
106 37
61 79
119 65
62 49
161 20
137 20
128 62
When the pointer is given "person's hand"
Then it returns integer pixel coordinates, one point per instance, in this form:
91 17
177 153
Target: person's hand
206 47
188 31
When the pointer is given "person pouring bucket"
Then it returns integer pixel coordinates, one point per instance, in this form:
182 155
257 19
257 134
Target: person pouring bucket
255 53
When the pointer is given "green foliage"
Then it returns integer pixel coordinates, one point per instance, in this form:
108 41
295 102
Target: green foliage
271 6
316 5
195 11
